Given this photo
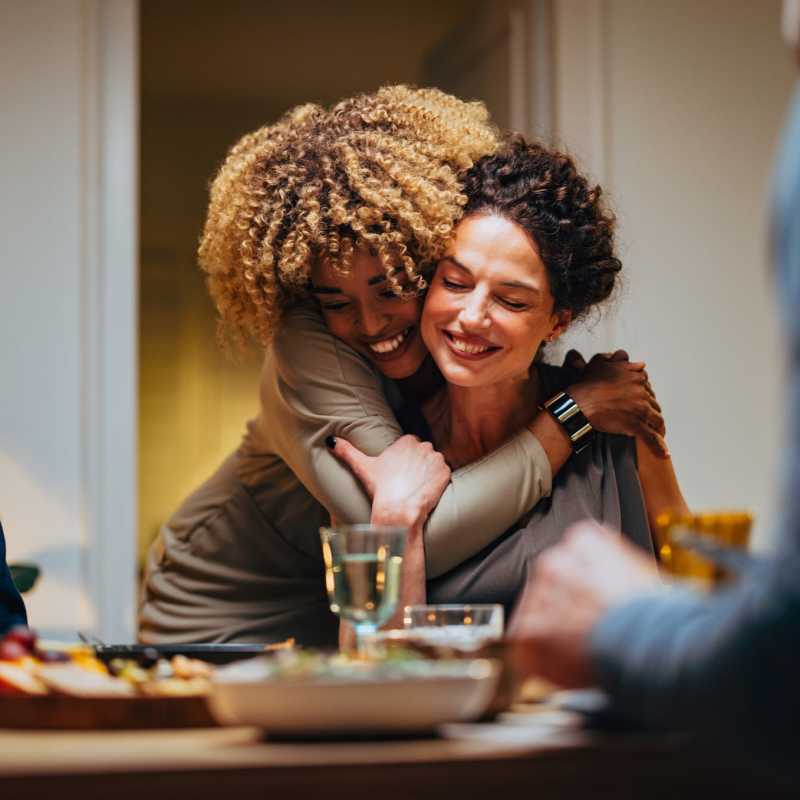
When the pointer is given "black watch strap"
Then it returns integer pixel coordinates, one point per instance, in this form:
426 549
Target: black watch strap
572 419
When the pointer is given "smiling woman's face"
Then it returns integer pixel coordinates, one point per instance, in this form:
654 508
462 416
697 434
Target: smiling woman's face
489 306
361 310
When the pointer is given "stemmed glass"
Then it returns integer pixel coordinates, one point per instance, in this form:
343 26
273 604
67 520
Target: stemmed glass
362 573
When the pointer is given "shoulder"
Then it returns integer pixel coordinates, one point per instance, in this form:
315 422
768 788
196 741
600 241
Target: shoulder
308 368
301 329
305 348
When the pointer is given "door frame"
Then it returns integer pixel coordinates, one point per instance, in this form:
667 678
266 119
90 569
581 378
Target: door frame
110 235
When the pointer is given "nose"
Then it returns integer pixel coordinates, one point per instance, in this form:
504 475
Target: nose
474 315
372 321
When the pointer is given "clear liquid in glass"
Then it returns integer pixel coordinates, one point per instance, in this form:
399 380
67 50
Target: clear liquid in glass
366 587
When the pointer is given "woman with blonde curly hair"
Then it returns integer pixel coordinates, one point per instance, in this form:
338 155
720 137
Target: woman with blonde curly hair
320 233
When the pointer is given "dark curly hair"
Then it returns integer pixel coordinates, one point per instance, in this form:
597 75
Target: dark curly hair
543 192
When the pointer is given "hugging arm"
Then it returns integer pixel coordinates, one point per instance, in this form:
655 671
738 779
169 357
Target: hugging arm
314 386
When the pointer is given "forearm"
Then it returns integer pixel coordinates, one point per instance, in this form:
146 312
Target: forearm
484 499
659 484
411 516
553 439
412 576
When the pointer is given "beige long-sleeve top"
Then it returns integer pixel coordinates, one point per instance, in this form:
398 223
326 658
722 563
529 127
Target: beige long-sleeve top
241 559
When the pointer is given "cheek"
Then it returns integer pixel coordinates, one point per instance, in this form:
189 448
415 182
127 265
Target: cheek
438 306
339 325
529 336
521 337
435 309
411 310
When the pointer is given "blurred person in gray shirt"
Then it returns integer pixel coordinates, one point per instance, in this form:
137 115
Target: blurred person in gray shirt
726 666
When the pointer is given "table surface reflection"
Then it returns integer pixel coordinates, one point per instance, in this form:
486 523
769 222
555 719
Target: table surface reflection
532 752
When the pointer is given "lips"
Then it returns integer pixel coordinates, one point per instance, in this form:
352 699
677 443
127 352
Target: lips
470 348
391 347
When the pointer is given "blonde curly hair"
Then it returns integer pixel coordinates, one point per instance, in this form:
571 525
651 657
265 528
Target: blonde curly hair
378 171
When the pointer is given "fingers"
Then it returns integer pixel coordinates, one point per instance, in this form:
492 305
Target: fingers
650 427
650 430
359 463
657 418
656 444
649 414
574 360
619 355
651 394
654 404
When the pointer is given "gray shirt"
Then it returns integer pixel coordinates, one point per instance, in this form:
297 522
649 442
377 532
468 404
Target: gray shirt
601 482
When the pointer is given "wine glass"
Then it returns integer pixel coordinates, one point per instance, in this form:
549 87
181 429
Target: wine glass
362 573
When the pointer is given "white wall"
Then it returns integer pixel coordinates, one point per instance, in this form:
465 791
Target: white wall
676 107
67 307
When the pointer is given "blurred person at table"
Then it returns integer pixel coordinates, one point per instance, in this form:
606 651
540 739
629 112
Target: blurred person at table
317 239
724 665
533 253
12 609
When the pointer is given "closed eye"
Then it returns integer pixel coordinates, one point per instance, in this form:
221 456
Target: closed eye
333 306
512 305
448 284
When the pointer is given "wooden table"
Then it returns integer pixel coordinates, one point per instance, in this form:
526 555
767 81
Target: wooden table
536 754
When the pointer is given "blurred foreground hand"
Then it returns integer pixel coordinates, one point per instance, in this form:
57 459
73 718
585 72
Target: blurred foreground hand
571 586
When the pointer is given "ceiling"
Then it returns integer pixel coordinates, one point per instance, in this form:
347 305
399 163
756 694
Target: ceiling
284 52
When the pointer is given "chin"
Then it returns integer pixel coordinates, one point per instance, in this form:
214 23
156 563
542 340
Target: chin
397 370
458 376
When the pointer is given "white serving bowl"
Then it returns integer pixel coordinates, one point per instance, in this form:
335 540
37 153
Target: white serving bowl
439 692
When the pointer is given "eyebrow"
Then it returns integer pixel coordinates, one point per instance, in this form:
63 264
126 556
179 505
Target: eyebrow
511 284
318 289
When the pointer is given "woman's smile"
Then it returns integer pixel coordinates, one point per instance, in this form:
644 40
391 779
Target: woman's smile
392 346
471 348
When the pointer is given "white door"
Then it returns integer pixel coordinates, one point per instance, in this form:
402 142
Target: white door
68 307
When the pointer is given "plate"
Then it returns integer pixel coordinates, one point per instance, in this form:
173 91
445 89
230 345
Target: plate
398 698
223 653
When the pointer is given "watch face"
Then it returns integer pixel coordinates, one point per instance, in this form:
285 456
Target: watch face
572 419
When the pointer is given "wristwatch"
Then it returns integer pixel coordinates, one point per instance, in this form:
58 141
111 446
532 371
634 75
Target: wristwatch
572 419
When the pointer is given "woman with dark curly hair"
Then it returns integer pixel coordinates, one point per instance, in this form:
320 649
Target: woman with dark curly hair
340 212
533 253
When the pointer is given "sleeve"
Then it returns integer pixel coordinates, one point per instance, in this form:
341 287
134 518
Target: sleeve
12 609
313 386
724 665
